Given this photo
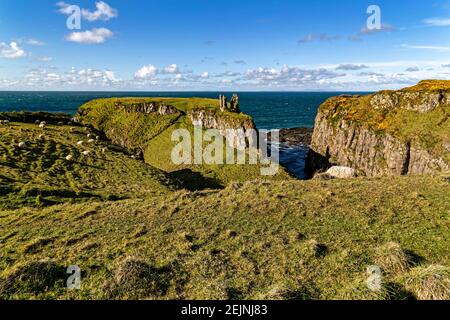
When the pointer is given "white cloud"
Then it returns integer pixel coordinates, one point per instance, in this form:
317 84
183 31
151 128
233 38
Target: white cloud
351 66
318 37
103 11
87 78
94 36
384 28
412 69
378 75
437 22
290 76
432 48
45 59
64 8
34 42
171 69
146 72
11 51
227 74
111 76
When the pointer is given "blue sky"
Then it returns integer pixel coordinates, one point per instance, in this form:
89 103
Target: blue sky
222 45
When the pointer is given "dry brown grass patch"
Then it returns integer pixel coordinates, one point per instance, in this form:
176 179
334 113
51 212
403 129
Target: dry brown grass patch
429 283
391 258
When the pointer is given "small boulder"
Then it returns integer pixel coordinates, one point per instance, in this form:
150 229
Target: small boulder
342 172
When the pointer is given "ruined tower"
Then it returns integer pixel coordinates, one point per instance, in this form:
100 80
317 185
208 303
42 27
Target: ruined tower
234 104
223 103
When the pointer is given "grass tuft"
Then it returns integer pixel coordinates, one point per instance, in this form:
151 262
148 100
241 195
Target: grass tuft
391 258
429 283
135 278
32 278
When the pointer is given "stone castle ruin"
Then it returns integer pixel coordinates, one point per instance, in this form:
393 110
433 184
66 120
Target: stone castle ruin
232 107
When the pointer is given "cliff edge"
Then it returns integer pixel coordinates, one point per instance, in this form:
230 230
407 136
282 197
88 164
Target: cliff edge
402 132
144 127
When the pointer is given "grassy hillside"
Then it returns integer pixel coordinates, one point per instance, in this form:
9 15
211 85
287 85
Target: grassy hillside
137 233
257 240
39 174
182 104
152 133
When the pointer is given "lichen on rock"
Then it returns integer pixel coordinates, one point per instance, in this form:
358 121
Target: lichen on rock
386 133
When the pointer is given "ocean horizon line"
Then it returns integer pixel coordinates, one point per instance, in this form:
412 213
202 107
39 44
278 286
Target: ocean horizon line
193 91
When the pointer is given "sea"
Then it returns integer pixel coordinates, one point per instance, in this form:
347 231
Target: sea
270 110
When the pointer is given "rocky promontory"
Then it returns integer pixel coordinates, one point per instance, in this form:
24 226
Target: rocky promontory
145 128
402 132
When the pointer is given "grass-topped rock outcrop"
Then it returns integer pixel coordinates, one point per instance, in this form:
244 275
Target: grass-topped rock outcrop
386 133
145 126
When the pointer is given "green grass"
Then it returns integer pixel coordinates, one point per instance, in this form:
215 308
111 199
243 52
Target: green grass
31 117
182 104
430 86
152 133
257 240
39 174
136 232
131 130
158 154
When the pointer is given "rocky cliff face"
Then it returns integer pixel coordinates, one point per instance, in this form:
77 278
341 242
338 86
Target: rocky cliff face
388 133
232 126
147 108
132 123
419 101
234 129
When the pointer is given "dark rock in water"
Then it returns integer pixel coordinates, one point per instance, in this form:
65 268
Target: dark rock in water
296 136
350 96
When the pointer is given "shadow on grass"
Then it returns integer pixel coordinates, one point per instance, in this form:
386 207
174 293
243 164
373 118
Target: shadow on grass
195 181
414 258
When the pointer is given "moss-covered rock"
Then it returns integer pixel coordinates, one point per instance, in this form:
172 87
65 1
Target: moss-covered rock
386 133
145 126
